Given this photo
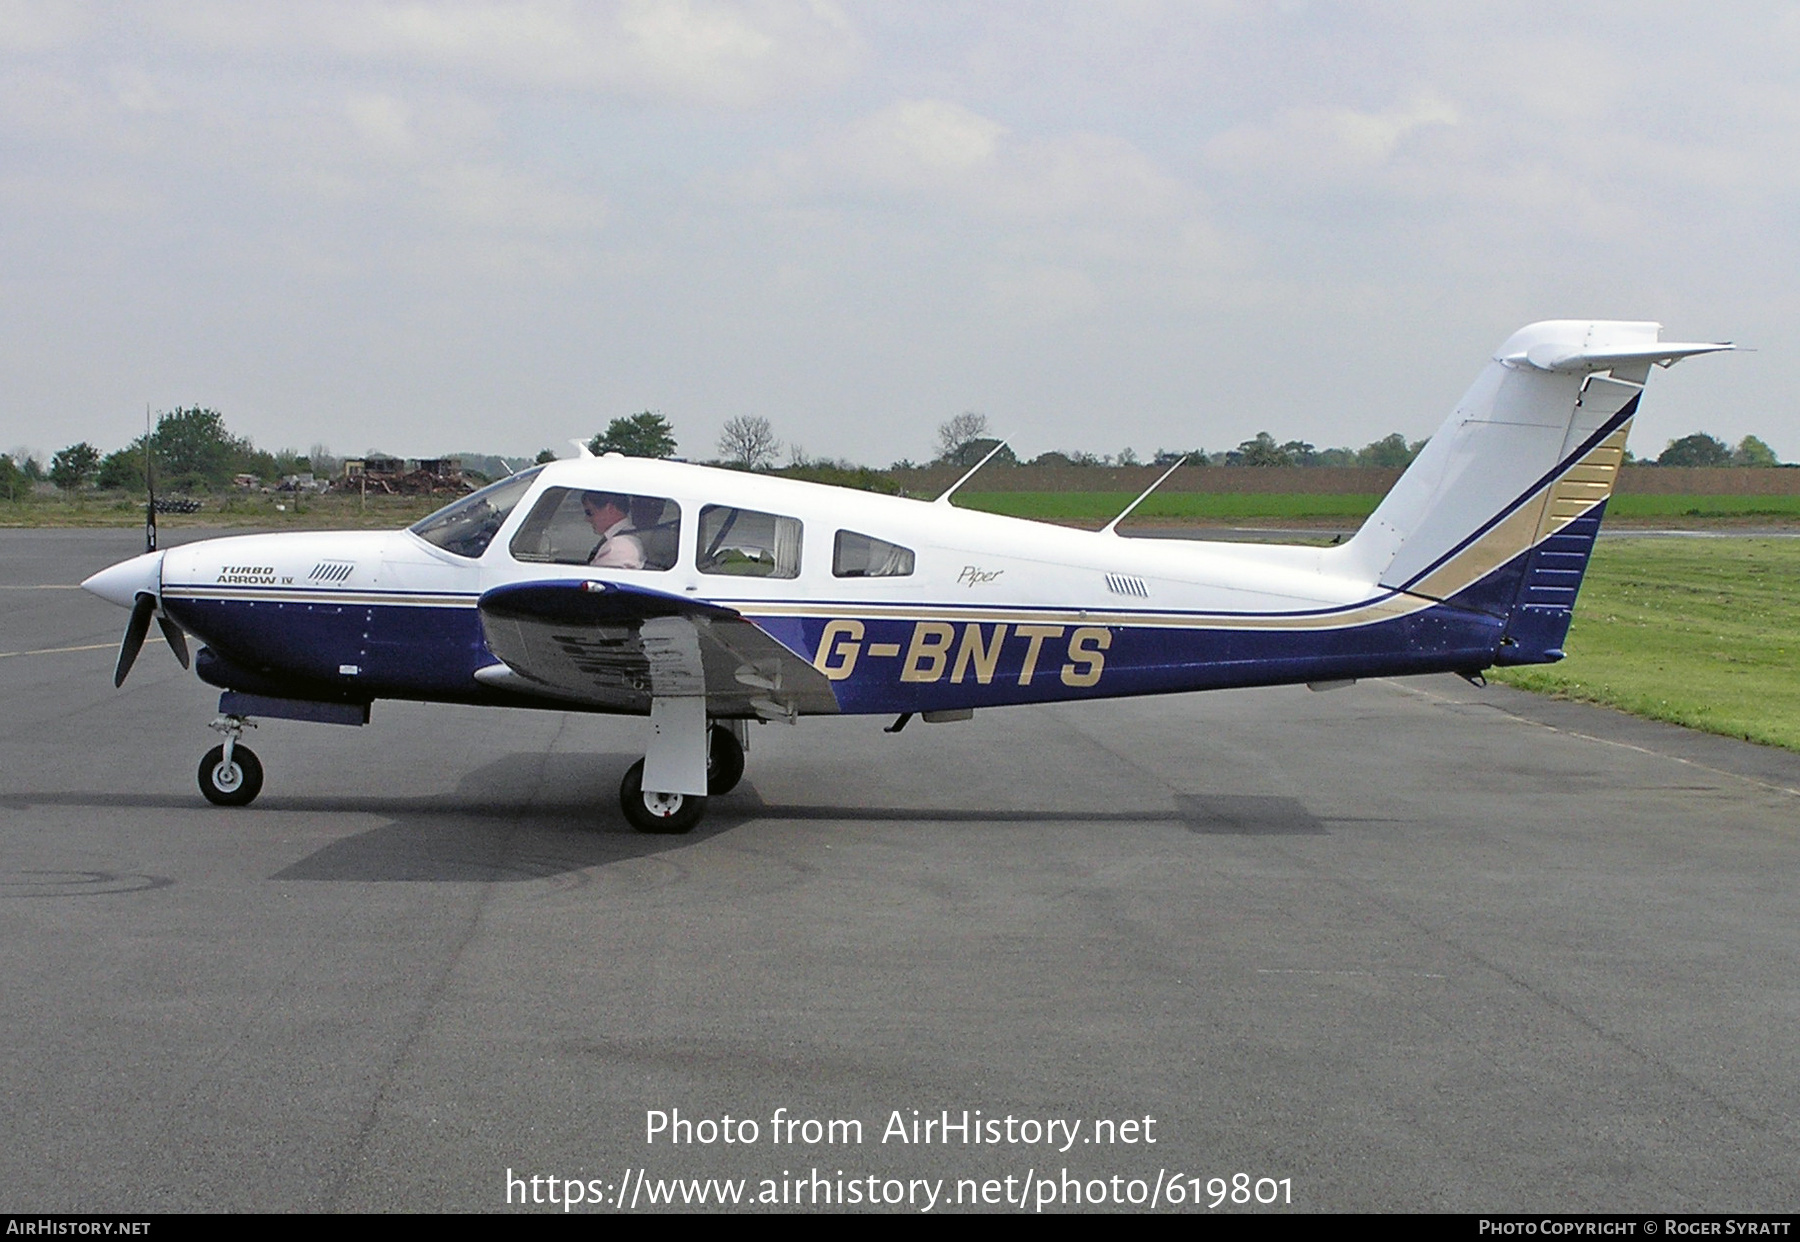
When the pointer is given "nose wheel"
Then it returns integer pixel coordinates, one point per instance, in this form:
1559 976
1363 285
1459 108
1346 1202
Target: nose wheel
231 774
231 782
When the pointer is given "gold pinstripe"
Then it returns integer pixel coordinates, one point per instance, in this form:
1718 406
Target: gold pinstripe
321 595
1585 484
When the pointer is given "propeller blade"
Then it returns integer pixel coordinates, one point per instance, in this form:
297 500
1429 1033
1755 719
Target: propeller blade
177 640
149 496
135 629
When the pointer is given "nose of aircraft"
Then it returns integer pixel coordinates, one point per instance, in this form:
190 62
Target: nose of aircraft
121 583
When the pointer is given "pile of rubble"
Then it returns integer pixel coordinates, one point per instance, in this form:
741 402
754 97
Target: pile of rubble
395 476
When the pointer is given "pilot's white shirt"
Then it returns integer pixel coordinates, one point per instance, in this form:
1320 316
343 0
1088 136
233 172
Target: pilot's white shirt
617 550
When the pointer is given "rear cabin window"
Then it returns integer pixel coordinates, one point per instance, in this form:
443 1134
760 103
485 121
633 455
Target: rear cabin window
748 544
466 527
864 556
609 530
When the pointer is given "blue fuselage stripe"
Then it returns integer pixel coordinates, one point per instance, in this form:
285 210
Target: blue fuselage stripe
877 664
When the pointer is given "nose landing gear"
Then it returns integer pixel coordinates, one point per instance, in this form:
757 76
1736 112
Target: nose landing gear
231 775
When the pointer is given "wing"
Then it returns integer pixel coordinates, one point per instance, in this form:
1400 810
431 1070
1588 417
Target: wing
617 647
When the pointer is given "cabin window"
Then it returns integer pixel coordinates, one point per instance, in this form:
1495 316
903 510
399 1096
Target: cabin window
609 530
747 543
466 527
864 556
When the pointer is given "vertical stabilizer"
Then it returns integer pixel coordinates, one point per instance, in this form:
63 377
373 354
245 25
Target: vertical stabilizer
1500 510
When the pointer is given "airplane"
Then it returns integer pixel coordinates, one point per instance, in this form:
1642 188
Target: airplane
710 599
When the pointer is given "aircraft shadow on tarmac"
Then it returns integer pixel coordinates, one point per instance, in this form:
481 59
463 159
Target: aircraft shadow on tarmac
533 816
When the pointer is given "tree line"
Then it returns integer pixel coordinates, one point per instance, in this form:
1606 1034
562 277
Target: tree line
750 443
192 450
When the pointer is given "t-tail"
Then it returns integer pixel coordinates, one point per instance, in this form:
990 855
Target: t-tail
1500 512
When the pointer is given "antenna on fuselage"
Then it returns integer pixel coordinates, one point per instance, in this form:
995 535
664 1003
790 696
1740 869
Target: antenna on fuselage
1112 527
945 498
581 448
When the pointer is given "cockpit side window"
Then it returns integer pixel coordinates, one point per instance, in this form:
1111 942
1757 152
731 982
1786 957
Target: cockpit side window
864 556
746 543
611 530
465 527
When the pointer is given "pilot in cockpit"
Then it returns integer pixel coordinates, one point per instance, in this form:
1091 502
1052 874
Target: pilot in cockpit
609 515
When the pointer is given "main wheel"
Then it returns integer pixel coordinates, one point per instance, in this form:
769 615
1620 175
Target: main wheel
231 784
724 761
657 812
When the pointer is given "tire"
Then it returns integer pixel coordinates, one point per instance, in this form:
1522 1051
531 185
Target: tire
237 785
724 761
661 814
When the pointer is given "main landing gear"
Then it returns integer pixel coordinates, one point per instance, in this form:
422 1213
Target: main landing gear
660 813
724 758
674 813
231 775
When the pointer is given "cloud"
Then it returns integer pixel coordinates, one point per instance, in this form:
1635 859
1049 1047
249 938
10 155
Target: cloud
1040 293
490 196
27 26
1032 228
691 51
921 139
938 150
1317 142
382 121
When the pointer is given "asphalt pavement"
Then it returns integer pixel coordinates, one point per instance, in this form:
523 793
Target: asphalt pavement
1410 945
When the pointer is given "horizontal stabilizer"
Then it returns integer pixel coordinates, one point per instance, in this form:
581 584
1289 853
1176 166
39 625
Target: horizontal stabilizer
1554 356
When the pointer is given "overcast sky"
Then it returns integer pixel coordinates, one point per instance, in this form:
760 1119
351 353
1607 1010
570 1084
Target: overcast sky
429 227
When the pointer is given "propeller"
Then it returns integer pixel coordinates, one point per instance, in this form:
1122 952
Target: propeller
149 505
135 629
144 603
143 607
176 639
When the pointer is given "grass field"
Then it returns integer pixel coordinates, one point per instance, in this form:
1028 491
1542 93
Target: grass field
1097 508
285 511
1700 632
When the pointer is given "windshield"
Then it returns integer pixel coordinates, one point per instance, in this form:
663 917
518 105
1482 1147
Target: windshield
467 526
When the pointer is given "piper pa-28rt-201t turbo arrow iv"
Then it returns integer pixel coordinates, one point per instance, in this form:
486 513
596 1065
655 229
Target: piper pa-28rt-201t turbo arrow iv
708 599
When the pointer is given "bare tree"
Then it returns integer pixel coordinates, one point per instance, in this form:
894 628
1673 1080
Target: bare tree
956 434
749 442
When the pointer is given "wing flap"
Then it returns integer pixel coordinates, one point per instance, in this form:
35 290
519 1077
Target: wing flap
619 647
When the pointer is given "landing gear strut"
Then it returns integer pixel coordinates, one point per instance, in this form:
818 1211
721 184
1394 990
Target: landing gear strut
231 775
